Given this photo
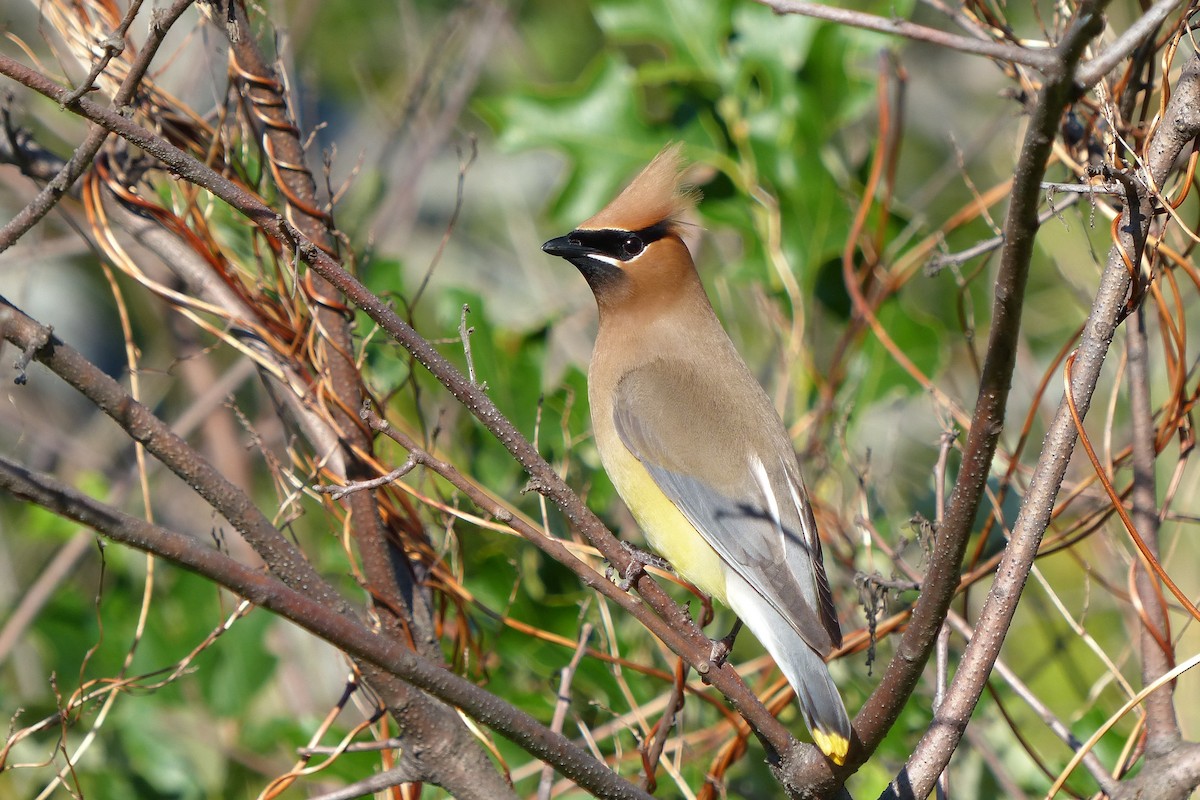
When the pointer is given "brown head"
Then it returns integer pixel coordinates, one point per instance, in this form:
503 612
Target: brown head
631 252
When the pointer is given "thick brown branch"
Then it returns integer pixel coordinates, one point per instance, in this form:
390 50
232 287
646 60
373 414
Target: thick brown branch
1174 777
385 564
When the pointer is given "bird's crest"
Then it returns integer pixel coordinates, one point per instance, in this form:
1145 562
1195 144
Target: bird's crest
654 196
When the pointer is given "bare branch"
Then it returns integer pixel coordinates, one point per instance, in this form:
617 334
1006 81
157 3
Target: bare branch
940 261
1040 59
1158 656
464 333
1173 778
1090 761
556 549
338 492
942 576
113 45
1089 73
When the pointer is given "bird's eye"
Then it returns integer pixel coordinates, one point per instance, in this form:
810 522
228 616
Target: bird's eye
632 246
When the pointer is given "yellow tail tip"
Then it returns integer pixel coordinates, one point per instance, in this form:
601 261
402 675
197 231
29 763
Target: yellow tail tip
833 745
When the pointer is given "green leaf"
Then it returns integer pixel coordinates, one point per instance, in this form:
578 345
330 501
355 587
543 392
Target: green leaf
918 336
596 122
233 671
692 33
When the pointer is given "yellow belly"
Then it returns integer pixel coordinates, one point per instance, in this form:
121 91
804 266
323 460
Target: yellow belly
666 528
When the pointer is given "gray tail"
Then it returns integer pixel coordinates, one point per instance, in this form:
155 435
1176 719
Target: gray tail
820 704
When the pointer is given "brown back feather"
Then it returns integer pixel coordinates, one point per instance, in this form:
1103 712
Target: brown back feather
653 196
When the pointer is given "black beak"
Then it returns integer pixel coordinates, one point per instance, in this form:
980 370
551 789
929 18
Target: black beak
571 247
568 248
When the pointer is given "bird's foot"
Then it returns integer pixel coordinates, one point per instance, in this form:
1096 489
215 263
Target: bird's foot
721 648
638 561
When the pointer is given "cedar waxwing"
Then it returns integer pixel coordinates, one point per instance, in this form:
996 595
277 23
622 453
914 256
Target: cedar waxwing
693 444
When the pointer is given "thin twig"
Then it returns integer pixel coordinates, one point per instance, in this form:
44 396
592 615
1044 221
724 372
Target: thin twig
464 334
379 782
114 45
562 704
940 261
464 164
653 749
350 487
393 743
61 184
1083 188
1040 59
942 649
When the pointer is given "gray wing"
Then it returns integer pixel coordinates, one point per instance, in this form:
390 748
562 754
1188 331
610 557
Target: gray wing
737 482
